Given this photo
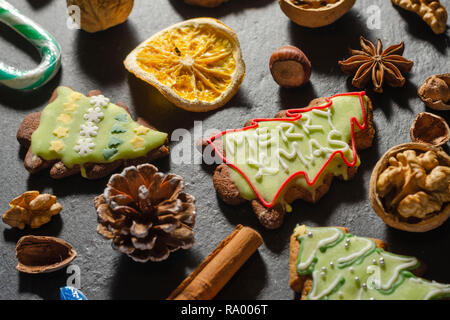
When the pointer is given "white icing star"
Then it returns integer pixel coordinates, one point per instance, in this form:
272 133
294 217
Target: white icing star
88 129
84 146
99 101
94 115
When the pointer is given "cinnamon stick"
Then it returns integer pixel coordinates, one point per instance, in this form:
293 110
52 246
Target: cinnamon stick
218 268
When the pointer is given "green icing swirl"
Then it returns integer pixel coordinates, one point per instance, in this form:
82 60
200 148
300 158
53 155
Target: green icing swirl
346 267
108 135
289 136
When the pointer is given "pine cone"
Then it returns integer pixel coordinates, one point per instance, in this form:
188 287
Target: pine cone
146 213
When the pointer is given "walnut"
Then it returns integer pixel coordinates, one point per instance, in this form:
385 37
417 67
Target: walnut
438 179
31 208
410 187
431 11
414 185
418 205
98 15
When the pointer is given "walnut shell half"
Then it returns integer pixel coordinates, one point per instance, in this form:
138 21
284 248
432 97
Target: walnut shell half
430 128
39 254
393 219
315 14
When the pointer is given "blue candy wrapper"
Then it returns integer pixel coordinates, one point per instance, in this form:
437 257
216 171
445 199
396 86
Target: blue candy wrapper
71 293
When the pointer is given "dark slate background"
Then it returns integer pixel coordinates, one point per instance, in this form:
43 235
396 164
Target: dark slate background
94 61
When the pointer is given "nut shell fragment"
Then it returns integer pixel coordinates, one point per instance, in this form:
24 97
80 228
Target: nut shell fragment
39 254
410 202
435 92
314 13
430 128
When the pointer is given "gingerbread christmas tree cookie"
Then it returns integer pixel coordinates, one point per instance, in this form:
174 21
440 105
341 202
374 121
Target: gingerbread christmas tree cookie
329 263
88 134
272 162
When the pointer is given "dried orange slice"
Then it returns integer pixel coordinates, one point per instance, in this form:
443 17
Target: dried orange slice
196 64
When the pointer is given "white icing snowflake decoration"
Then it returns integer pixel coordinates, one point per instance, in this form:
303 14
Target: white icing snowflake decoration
84 146
88 129
99 101
94 115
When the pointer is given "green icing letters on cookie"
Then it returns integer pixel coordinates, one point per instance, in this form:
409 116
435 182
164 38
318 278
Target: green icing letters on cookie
275 151
346 267
79 129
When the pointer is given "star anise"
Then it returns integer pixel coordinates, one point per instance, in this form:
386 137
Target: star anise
372 62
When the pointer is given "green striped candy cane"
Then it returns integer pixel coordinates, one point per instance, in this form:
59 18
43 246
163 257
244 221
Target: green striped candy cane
47 46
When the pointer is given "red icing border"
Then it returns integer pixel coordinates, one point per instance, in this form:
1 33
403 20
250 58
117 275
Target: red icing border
294 115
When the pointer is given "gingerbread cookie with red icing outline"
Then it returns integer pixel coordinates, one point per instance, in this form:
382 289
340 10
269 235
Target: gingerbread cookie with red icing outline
91 170
271 213
331 264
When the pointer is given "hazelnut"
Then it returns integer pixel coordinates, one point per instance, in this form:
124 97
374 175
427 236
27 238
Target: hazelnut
430 128
290 67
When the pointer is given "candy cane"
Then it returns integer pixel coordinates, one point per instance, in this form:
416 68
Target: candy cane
47 46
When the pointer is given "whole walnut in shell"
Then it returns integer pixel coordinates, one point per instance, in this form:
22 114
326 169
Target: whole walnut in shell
98 15
410 187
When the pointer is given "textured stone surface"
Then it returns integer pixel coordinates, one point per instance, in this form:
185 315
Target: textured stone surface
94 61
